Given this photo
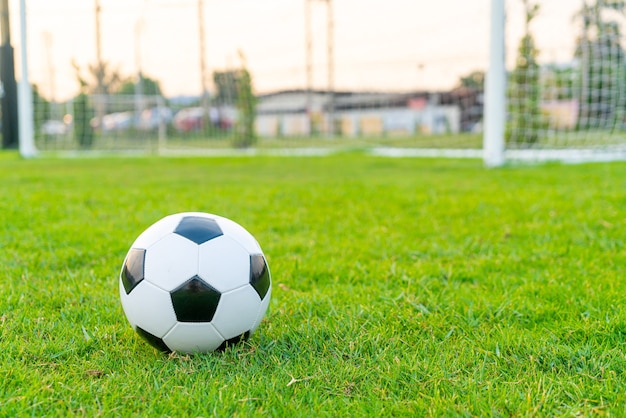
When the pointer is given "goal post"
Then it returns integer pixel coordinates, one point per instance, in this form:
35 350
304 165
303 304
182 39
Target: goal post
495 87
26 136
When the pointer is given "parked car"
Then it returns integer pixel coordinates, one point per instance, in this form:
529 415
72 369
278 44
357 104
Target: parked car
54 127
189 119
114 122
150 119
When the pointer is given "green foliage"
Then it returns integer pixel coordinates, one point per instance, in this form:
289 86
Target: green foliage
402 287
227 86
559 83
149 87
235 87
41 109
83 113
525 120
245 134
105 79
474 80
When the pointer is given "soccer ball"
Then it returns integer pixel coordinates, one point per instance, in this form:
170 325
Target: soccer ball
195 282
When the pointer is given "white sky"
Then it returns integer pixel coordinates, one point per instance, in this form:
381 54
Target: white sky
379 44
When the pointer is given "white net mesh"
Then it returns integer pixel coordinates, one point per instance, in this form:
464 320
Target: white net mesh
572 104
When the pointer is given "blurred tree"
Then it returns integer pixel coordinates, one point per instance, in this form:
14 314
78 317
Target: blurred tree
102 80
149 87
227 86
83 112
41 109
468 95
103 75
474 80
559 83
245 134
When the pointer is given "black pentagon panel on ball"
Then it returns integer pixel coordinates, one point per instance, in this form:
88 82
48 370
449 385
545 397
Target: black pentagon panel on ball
233 341
195 301
198 229
132 272
153 340
259 275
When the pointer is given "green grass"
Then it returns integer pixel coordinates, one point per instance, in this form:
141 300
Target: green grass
400 287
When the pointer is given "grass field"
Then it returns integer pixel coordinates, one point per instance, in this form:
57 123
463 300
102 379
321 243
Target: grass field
401 287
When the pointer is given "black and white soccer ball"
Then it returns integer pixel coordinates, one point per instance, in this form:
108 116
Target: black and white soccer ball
195 282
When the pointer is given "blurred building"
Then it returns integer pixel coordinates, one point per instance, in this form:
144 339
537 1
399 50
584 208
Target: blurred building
300 113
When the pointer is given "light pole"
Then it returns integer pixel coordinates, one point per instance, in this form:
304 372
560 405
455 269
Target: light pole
139 81
100 103
203 77
308 45
330 28
331 68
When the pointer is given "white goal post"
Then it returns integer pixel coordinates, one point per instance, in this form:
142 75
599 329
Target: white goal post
26 136
495 87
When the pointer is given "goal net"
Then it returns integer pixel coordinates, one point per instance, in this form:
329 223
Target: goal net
502 80
572 110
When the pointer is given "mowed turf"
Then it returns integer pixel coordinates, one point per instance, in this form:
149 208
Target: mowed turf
400 287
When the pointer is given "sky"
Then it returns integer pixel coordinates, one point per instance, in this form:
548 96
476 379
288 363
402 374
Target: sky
378 44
